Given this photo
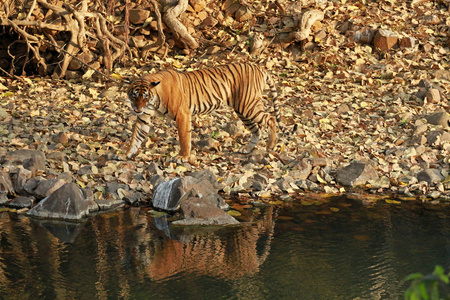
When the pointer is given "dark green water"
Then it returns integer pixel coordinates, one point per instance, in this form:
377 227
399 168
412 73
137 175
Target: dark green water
338 250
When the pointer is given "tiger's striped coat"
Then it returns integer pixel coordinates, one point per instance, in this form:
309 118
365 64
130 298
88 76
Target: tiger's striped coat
179 96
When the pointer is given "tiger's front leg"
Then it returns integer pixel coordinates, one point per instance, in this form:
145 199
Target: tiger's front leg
183 121
140 132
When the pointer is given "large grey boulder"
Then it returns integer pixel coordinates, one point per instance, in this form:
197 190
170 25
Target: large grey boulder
169 195
356 173
66 203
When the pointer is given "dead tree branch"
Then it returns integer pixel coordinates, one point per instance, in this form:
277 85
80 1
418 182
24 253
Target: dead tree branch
177 28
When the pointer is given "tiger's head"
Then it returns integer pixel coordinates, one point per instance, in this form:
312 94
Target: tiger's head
142 94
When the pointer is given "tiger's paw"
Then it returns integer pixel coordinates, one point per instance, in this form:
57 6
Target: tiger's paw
187 159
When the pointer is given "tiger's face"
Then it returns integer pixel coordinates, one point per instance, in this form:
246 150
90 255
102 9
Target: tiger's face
142 95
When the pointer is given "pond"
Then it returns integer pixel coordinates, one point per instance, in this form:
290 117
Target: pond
309 249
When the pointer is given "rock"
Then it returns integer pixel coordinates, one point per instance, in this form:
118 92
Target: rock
132 198
57 156
430 176
66 203
85 170
384 39
3 198
198 212
364 36
21 202
20 178
427 47
170 194
89 196
32 184
407 42
433 95
32 160
156 179
167 195
432 19
434 194
153 168
61 138
442 74
425 83
138 16
83 58
234 128
46 187
113 187
108 204
6 186
207 175
437 137
381 182
420 129
342 109
209 22
66 176
287 185
261 178
356 173
4 114
197 5
438 118
207 143
318 162
302 170
243 14
258 186
308 185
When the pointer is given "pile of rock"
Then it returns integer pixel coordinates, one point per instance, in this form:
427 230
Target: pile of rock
23 187
197 197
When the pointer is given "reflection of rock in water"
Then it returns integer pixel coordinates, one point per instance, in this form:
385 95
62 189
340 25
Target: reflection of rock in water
183 234
113 246
66 232
213 251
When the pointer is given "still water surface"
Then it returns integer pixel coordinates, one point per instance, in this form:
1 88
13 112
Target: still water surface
342 249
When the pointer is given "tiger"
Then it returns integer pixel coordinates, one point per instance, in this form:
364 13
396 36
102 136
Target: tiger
179 96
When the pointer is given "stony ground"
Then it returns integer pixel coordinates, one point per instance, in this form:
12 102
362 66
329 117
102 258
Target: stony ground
355 118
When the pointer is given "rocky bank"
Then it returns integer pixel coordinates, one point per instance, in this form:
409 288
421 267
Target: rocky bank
364 111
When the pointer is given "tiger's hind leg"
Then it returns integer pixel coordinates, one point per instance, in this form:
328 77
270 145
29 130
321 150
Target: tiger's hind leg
254 119
254 129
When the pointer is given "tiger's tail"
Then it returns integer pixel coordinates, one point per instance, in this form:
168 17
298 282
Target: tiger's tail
275 96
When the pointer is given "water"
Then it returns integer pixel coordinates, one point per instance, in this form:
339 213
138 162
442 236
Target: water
342 249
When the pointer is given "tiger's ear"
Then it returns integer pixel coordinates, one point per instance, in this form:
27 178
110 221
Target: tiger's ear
155 83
